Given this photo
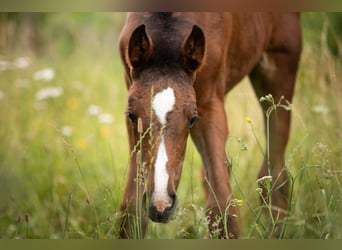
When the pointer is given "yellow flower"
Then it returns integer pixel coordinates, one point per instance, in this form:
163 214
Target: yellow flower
248 119
239 202
72 102
106 132
236 203
83 144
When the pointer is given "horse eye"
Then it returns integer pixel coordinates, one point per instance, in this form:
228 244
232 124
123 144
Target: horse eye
192 120
131 117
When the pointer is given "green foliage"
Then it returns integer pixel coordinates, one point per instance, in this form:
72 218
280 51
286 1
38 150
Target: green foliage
64 152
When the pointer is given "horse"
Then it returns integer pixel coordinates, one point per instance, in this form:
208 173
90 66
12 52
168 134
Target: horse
178 67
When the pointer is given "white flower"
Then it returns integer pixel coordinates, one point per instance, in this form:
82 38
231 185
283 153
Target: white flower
66 131
2 95
19 63
264 178
45 75
5 65
94 110
106 118
49 92
22 62
320 109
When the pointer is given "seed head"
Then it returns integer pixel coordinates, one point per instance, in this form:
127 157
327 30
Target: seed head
27 217
259 190
137 159
140 126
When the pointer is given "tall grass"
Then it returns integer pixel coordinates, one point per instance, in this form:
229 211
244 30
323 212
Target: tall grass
64 157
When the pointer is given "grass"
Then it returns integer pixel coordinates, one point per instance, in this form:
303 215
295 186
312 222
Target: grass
63 161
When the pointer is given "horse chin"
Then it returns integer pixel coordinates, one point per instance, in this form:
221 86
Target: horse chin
160 217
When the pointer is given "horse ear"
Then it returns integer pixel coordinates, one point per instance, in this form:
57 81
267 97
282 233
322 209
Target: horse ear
139 48
193 49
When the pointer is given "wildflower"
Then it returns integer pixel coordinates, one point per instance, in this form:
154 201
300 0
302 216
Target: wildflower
248 119
237 203
49 92
83 144
66 131
320 109
106 132
5 65
2 95
45 75
265 182
244 146
94 110
268 98
72 102
259 190
22 62
264 179
106 118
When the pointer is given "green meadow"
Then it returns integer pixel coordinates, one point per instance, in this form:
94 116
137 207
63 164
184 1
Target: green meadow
64 148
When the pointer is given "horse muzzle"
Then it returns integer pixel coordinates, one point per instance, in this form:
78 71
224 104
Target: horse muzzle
160 210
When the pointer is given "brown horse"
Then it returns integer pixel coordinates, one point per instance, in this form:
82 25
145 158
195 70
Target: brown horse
178 69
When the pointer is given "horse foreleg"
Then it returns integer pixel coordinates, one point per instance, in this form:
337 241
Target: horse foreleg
209 136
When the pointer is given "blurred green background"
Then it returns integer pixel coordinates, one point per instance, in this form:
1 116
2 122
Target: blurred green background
63 143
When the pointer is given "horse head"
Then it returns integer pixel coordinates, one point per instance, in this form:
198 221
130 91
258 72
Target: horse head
161 110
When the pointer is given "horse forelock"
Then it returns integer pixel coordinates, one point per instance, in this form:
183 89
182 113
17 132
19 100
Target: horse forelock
167 34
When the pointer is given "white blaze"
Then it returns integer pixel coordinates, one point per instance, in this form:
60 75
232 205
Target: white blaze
162 104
